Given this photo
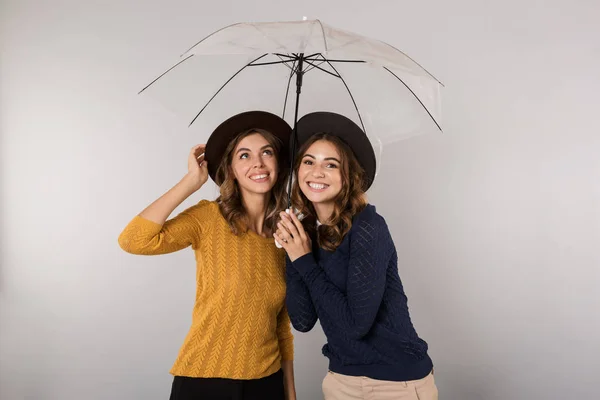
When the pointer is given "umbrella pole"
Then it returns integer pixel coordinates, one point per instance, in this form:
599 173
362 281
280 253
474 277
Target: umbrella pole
299 76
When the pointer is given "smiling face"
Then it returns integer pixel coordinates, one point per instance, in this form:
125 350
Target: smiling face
320 173
328 187
254 164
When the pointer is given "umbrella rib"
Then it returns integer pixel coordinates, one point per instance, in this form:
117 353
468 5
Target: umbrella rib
347 61
349 92
311 57
294 59
407 56
324 37
164 73
285 55
214 33
225 84
324 70
416 97
287 91
292 67
285 62
269 63
313 67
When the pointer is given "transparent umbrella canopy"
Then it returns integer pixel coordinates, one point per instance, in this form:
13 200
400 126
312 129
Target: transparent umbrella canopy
297 67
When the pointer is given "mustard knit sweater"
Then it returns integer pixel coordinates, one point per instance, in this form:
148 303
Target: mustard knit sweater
240 327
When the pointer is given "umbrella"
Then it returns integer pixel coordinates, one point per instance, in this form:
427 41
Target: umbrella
253 66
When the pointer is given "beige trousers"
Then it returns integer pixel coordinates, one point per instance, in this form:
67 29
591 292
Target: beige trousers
344 387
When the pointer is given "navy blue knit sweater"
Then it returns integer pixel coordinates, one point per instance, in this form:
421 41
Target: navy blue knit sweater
357 295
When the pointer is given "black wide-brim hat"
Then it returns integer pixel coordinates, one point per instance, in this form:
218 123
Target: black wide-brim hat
345 129
227 131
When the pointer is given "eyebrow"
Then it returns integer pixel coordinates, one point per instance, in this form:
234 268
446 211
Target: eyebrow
266 146
327 159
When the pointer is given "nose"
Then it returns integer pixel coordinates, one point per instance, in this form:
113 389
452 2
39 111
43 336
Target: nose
258 163
317 172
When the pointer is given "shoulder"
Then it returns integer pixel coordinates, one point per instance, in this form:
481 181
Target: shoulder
204 207
368 219
370 230
203 212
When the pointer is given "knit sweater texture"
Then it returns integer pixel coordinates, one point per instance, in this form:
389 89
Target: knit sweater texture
357 295
240 327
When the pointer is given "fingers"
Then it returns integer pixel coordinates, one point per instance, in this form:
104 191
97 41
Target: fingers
298 225
289 225
199 156
198 151
200 161
283 233
282 242
282 226
277 239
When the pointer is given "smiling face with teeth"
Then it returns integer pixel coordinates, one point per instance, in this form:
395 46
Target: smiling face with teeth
329 186
254 165
320 175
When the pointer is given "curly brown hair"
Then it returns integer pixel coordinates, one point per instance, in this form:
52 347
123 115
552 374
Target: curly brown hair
230 198
350 200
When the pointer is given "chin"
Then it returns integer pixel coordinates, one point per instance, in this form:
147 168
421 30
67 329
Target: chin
316 197
261 188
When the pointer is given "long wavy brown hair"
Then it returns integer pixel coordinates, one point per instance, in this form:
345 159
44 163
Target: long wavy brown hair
350 200
230 198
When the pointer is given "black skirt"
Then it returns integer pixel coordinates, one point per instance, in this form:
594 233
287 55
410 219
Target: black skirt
270 387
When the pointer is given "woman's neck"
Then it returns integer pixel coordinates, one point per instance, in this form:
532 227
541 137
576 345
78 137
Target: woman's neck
255 205
324 211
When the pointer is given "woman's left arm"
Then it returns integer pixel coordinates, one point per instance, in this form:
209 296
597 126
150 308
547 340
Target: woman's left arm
288 379
286 349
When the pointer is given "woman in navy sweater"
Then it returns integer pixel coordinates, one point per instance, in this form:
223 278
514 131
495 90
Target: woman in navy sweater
342 268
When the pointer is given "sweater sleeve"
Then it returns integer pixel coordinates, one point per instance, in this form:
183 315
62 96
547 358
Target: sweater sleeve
355 310
299 304
285 336
145 237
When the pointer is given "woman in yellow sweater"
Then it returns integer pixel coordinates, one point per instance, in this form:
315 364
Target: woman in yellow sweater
240 344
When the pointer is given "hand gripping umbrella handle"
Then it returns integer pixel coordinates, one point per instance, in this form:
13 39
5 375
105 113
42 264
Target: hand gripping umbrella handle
300 218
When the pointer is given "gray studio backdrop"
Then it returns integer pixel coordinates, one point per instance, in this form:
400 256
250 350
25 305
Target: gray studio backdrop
497 221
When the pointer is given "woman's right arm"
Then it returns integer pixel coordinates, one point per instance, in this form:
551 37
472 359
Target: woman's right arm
150 233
